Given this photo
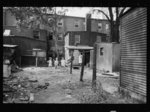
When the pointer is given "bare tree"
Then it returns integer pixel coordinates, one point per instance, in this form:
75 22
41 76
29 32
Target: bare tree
113 18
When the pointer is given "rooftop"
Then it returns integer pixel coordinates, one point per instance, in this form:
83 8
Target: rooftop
80 47
9 45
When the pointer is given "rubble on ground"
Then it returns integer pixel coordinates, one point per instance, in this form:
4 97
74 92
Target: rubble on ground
17 89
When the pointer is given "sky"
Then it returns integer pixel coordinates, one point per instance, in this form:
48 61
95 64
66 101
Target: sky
81 12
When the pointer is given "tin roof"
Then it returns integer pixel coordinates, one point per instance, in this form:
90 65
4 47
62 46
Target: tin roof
9 45
80 47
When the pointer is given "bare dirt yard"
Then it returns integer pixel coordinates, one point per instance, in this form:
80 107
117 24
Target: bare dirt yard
50 85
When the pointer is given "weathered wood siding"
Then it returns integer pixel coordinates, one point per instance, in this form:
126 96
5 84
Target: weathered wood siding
25 43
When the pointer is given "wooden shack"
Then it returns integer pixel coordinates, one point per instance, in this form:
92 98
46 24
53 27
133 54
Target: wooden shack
108 57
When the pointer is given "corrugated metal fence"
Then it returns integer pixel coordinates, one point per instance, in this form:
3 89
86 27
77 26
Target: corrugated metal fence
134 51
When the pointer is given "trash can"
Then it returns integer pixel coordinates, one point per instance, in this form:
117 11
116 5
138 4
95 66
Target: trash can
6 70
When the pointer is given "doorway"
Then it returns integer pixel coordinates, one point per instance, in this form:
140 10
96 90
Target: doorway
87 57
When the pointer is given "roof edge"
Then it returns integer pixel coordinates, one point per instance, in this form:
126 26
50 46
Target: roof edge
131 9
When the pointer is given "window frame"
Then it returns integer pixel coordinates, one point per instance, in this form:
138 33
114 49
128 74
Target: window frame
79 39
101 51
107 25
50 34
37 34
59 36
100 25
76 23
60 21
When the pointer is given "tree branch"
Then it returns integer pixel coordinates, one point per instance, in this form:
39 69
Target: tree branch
117 12
122 11
111 13
100 11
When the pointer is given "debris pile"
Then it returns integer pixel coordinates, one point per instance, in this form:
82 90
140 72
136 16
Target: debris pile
18 89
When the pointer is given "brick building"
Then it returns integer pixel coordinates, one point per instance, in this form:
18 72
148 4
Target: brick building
67 23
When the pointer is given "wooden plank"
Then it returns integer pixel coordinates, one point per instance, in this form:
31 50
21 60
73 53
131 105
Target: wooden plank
71 62
94 67
82 69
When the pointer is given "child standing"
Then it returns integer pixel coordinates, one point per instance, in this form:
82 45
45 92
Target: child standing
50 62
80 59
56 63
63 62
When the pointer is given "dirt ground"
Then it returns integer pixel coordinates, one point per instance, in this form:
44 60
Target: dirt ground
66 88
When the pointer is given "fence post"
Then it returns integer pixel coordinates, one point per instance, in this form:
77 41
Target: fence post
71 62
82 69
94 66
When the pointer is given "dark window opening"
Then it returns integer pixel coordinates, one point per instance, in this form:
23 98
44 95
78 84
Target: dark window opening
76 25
99 27
36 34
50 37
101 51
60 37
60 24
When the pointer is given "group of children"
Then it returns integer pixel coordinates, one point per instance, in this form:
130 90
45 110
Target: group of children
56 62
62 62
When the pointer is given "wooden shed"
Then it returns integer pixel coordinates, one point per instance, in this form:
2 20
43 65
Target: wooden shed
108 57
133 33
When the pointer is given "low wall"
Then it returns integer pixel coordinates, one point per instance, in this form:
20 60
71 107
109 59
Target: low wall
31 61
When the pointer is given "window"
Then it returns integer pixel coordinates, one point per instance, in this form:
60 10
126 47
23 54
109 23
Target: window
77 38
60 37
76 24
100 26
101 51
36 34
60 23
84 23
107 26
7 32
98 39
50 36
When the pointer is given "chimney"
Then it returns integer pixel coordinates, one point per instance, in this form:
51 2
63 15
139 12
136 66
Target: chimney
88 22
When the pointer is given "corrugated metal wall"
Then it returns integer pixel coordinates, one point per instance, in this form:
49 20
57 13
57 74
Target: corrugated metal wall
133 35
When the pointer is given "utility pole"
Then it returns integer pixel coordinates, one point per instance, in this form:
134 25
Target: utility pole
47 49
82 69
94 67
71 62
55 32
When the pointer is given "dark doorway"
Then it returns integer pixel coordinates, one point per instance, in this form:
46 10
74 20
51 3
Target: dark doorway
87 57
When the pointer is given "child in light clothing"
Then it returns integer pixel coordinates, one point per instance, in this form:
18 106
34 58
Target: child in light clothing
50 62
80 59
63 62
56 63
